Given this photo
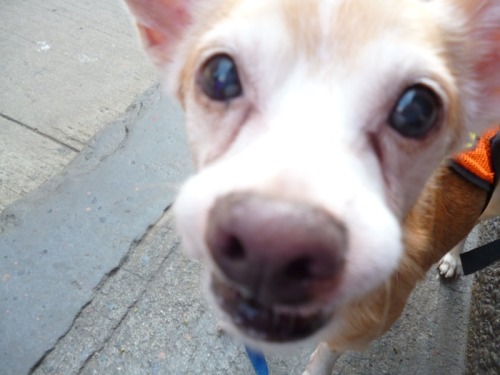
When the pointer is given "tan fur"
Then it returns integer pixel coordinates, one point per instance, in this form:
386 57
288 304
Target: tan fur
371 19
434 225
303 22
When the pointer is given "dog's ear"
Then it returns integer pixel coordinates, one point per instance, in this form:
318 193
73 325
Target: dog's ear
161 24
483 34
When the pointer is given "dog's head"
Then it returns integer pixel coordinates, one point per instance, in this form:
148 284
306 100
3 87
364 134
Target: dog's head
314 126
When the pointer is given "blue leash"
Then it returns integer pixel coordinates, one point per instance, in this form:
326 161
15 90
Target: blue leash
258 361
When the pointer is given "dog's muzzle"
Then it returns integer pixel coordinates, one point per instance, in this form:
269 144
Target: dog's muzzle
278 263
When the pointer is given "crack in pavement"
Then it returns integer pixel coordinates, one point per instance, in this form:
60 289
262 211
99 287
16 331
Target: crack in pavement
113 277
38 132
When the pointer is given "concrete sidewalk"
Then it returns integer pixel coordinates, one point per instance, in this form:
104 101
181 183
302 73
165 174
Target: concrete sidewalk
67 70
92 278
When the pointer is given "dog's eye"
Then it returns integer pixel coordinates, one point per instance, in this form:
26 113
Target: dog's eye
416 112
220 80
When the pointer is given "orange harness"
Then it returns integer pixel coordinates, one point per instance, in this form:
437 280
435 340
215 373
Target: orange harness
481 164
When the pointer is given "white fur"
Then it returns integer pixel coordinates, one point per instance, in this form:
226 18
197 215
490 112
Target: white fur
306 139
322 361
449 266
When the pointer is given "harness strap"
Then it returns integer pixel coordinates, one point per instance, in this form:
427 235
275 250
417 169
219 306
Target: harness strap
477 259
495 158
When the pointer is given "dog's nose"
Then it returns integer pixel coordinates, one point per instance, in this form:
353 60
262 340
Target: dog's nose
276 251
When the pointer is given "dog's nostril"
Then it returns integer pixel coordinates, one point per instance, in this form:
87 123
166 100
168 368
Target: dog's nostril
234 250
274 251
299 269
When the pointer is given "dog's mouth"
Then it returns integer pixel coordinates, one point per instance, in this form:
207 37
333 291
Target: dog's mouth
274 324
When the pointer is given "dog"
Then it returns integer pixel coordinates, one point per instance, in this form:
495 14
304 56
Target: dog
319 130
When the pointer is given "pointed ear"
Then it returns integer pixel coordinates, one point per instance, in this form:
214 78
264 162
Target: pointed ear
483 34
161 24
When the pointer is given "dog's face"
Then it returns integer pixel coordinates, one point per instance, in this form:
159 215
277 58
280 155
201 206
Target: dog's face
314 126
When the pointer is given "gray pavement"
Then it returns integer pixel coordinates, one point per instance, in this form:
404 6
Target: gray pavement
59 243
66 70
92 276
483 352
